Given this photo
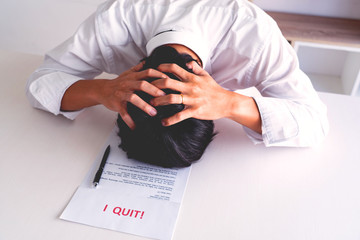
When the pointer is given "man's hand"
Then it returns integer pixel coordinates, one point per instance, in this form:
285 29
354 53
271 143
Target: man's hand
117 92
204 98
114 94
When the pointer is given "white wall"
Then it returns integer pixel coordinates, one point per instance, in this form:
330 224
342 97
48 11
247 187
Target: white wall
332 8
36 26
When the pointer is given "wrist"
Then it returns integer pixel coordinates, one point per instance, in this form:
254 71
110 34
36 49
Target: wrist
234 105
97 91
82 94
244 110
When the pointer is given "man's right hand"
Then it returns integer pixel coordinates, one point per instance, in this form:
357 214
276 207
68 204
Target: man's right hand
114 94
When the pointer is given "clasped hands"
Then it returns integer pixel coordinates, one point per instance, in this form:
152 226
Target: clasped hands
202 96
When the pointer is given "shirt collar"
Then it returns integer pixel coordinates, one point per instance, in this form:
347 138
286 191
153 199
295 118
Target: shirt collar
188 39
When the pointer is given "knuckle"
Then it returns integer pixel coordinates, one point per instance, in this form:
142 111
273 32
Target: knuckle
117 93
117 110
193 111
166 82
159 92
165 122
154 101
132 97
198 111
172 98
123 114
149 71
191 92
172 67
195 78
142 84
178 116
196 89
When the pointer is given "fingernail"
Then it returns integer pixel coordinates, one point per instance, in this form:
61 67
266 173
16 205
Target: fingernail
163 123
152 112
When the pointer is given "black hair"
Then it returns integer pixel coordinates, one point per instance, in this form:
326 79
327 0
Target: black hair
177 145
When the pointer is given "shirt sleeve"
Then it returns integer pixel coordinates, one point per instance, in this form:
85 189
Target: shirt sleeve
292 114
80 57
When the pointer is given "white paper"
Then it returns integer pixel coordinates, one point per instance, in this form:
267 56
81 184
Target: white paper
132 197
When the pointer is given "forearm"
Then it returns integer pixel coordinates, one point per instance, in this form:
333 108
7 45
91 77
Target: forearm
114 94
243 109
82 94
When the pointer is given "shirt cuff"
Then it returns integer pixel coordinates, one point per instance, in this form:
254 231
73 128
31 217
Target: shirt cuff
255 137
278 124
49 90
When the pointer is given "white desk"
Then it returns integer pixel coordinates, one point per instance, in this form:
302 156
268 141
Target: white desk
237 191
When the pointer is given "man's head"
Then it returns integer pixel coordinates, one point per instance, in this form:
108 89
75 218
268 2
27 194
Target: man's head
174 146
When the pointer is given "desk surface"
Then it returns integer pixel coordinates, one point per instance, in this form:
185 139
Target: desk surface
237 191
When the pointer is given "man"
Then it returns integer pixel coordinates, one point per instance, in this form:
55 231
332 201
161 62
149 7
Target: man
236 44
178 145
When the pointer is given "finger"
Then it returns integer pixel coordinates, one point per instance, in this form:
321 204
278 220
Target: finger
176 118
134 69
148 88
196 68
127 119
167 100
168 83
138 67
150 73
178 71
140 103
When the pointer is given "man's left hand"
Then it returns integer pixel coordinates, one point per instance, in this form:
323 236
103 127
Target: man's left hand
202 96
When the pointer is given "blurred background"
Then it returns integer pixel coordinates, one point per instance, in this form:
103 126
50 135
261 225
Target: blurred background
37 26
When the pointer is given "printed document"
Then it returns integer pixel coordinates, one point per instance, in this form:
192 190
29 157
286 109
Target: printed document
132 197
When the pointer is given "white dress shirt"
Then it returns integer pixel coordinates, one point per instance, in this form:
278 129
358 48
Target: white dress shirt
239 44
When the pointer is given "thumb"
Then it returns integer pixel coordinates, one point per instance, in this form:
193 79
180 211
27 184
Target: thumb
195 67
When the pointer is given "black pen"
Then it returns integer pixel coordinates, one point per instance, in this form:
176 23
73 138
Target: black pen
101 168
